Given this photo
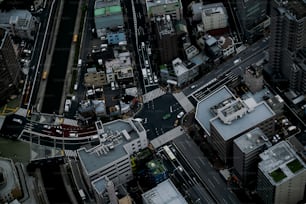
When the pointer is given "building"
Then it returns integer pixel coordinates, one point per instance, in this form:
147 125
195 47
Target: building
156 8
212 48
9 182
168 32
253 19
19 23
214 16
246 152
281 175
118 140
225 117
104 191
181 72
253 78
227 46
157 171
288 39
195 7
10 72
163 193
109 20
96 79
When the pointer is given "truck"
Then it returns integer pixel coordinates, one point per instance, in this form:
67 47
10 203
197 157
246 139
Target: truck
82 194
79 63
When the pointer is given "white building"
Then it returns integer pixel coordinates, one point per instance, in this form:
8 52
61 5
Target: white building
118 140
214 16
163 193
281 175
104 191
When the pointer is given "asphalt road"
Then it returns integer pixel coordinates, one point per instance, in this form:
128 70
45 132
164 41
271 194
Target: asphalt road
205 171
247 57
154 112
57 73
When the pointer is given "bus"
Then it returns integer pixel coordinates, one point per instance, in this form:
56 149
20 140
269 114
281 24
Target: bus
75 38
44 75
169 152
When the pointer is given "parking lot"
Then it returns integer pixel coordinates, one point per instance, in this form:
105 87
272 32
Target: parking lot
155 110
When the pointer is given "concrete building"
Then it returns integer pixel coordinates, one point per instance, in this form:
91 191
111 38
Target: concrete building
246 152
181 72
156 8
196 10
168 32
225 117
288 19
9 183
214 16
276 103
163 193
227 46
19 23
120 69
281 175
118 140
96 79
109 20
10 72
253 78
104 191
252 16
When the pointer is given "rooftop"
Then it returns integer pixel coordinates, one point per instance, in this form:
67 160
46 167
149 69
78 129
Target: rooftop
156 167
10 176
203 112
280 163
116 134
100 184
252 140
106 3
109 10
260 113
298 7
210 9
152 3
164 193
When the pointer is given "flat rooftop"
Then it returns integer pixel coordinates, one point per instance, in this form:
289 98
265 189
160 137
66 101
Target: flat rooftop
280 163
123 132
100 184
164 193
10 175
260 113
151 3
252 140
203 112
210 9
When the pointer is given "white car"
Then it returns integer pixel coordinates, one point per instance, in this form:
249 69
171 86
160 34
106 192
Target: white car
180 115
17 120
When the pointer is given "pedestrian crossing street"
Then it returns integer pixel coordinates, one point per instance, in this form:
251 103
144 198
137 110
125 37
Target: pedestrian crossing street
152 95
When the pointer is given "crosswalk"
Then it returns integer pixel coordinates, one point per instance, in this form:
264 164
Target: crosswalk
152 95
183 101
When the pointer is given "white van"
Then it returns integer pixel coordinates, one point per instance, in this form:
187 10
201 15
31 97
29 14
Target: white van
80 63
113 85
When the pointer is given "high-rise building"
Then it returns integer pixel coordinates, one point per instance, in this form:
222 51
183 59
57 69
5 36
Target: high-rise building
246 153
252 17
10 74
214 16
281 175
288 39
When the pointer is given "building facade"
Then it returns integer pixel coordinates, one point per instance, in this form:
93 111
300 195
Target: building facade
288 19
214 16
281 175
118 140
10 73
252 15
246 152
